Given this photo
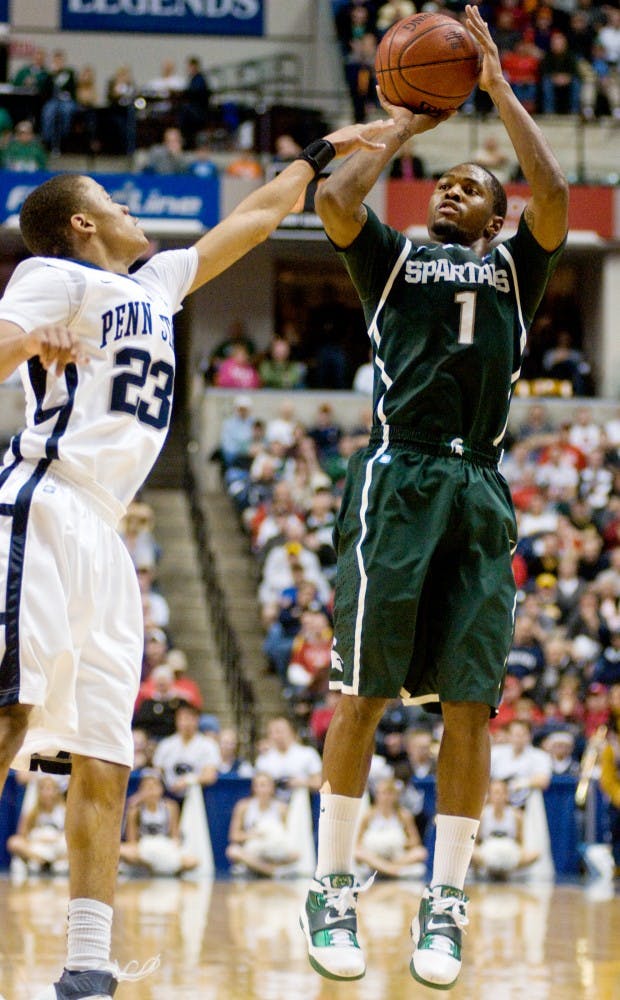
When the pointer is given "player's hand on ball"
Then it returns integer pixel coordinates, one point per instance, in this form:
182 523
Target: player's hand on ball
405 118
351 137
56 346
491 72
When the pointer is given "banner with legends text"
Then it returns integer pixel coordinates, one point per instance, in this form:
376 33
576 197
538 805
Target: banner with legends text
181 17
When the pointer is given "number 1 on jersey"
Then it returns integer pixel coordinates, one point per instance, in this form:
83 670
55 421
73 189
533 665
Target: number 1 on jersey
467 302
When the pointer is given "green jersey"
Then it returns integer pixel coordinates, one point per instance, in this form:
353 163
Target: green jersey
448 329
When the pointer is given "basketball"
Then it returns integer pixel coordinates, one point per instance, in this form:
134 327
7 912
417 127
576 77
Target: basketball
428 63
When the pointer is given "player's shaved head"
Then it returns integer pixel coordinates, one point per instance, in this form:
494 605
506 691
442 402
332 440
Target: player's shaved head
45 218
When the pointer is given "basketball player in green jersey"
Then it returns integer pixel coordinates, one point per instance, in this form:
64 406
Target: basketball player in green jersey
425 594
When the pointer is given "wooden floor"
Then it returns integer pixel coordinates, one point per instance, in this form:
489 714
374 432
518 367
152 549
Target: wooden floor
241 941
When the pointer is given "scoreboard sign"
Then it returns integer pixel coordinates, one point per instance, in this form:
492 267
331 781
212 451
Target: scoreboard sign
182 17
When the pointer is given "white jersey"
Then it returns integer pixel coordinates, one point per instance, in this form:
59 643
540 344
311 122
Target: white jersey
101 425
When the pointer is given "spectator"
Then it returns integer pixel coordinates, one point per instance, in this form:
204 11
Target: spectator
278 572
86 87
187 688
152 837
521 66
360 73
60 104
526 658
137 531
156 647
121 93
353 20
559 75
236 434
201 165
39 844
282 632
258 840
391 12
24 151
194 109
563 361
168 156
325 431
310 661
188 757
34 75
278 371
154 604
388 841
522 765
237 371
560 745
609 39
289 762
607 667
167 84
499 850
232 765
157 704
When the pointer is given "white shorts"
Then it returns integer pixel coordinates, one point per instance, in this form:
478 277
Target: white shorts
71 629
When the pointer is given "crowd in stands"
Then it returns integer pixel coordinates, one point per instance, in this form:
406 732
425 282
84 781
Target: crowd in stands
560 57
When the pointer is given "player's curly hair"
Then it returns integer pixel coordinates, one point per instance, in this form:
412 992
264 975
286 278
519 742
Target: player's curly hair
45 216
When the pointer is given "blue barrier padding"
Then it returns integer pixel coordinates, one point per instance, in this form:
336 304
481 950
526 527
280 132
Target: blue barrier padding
220 800
565 821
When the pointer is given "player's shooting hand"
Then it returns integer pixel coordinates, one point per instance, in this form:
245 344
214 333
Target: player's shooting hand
408 121
56 346
491 66
351 137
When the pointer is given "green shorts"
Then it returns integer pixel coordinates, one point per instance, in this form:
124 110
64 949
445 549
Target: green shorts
425 594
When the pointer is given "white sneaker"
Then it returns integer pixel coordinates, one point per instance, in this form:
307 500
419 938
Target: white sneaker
329 921
436 933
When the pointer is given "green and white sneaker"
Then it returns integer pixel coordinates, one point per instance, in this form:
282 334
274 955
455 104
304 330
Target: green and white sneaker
329 921
436 933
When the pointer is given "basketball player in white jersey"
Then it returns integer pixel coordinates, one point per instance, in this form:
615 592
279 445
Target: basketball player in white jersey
95 350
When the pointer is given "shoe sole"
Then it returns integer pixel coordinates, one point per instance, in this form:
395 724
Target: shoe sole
322 971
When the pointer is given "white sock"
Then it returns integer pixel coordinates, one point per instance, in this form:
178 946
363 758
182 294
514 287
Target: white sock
454 845
337 828
89 935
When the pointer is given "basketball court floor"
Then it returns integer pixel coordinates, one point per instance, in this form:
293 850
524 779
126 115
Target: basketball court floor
241 941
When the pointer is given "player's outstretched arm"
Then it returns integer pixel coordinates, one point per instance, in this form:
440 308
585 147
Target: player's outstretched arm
547 211
55 345
339 199
259 213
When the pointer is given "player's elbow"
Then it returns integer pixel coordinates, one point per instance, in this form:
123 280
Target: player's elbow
329 202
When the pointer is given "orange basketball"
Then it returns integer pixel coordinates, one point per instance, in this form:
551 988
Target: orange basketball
428 63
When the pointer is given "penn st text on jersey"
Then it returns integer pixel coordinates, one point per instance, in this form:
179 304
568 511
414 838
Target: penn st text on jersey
133 319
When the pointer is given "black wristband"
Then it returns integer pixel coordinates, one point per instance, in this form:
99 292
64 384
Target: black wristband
318 154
